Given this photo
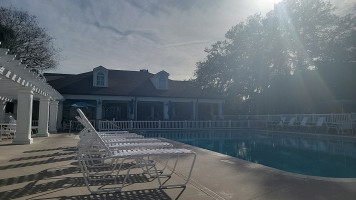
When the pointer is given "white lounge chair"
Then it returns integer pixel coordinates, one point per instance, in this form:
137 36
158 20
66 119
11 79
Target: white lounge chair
280 124
302 124
319 124
96 150
123 139
291 122
105 135
117 143
344 127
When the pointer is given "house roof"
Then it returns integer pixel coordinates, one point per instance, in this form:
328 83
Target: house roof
127 83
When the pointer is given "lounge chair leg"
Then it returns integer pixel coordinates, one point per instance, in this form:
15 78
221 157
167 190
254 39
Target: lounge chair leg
188 178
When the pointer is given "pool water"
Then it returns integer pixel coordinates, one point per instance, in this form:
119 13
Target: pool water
325 156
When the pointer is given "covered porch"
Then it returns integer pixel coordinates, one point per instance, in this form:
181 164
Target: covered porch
131 108
22 87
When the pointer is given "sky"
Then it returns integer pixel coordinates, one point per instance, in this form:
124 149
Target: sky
157 35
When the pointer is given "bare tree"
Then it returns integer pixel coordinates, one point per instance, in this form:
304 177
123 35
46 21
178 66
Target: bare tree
21 33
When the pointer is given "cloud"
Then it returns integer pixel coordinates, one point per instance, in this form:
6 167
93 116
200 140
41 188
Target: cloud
145 34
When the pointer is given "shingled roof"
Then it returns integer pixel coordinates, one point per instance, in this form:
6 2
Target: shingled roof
127 83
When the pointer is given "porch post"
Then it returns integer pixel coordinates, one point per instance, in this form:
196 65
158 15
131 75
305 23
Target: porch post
24 116
60 115
211 111
135 110
152 112
220 110
53 111
130 109
99 111
43 117
2 110
165 110
195 110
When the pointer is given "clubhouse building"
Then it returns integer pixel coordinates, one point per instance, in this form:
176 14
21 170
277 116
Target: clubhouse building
118 95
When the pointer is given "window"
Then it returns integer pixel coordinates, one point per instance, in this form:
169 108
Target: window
100 79
162 82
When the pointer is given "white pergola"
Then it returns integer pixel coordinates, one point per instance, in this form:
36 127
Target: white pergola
18 83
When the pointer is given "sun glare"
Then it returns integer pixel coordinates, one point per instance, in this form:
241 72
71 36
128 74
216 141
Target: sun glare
272 1
268 2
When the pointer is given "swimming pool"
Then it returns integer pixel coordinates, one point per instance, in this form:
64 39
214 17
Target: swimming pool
325 156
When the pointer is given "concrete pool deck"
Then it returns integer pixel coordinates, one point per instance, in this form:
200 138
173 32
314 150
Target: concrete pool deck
47 169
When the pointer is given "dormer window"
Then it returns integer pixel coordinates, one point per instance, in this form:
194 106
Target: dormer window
100 77
160 80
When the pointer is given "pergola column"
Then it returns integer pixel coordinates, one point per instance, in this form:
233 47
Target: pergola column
24 116
2 110
53 112
43 117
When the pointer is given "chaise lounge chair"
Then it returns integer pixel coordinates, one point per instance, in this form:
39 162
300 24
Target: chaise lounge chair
93 149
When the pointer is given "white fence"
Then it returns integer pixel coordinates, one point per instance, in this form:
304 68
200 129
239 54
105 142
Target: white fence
129 125
240 121
312 118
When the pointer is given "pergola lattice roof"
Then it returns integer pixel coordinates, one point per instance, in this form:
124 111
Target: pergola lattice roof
14 75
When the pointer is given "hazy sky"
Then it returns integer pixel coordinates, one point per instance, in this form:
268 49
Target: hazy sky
157 35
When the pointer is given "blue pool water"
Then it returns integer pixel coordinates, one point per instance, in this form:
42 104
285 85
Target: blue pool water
314 155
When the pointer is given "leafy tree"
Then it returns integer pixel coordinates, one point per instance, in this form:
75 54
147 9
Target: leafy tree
298 35
21 33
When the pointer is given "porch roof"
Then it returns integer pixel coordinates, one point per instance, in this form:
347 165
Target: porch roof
14 75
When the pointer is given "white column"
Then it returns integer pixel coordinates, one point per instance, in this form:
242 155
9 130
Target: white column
99 109
152 112
24 116
220 110
195 110
53 112
60 115
166 110
43 117
135 110
211 111
2 110
99 112
130 111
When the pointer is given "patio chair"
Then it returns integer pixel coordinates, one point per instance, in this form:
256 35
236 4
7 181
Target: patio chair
140 156
319 124
344 127
291 122
280 124
302 124
10 130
